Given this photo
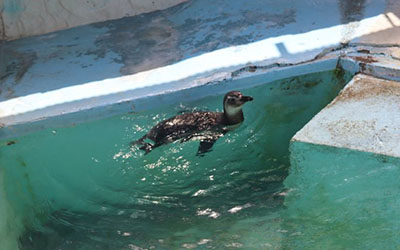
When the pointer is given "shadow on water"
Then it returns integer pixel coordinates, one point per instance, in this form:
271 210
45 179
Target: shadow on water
93 192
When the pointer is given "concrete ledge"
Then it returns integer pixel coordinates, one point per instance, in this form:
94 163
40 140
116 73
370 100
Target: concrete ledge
364 117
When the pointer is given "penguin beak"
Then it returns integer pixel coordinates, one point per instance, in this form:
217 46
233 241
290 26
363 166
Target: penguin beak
246 99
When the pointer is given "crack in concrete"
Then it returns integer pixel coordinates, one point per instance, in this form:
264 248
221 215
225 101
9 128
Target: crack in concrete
342 47
253 68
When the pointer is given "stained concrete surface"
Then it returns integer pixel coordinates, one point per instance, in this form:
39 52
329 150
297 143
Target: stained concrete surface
365 116
136 44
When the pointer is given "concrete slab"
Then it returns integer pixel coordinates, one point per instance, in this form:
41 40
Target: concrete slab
364 117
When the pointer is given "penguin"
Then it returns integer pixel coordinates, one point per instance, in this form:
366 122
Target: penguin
208 127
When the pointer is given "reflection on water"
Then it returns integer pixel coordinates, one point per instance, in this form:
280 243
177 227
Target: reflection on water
83 187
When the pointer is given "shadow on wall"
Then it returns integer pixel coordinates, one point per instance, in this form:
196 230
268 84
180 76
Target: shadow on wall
388 36
140 43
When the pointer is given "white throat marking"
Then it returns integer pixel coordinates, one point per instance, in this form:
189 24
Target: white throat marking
232 111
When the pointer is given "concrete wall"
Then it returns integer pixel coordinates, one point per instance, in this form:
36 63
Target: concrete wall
20 18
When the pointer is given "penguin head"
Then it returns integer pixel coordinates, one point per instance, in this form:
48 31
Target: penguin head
233 102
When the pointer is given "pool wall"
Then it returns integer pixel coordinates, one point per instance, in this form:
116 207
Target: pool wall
71 105
26 18
135 99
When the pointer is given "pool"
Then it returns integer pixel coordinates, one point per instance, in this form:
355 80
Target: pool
82 187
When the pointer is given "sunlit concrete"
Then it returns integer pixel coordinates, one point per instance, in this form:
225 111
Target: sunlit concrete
364 117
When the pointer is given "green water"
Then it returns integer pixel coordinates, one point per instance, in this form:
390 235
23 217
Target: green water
82 187
342 199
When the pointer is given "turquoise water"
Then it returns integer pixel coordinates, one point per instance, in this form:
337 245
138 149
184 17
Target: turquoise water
342 199
82 187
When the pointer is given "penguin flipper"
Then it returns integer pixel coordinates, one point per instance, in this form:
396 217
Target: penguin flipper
205 146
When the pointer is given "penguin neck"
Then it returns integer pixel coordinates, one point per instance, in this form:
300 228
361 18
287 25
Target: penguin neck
233 116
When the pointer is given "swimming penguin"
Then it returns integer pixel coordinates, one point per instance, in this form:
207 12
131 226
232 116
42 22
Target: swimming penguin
206 126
